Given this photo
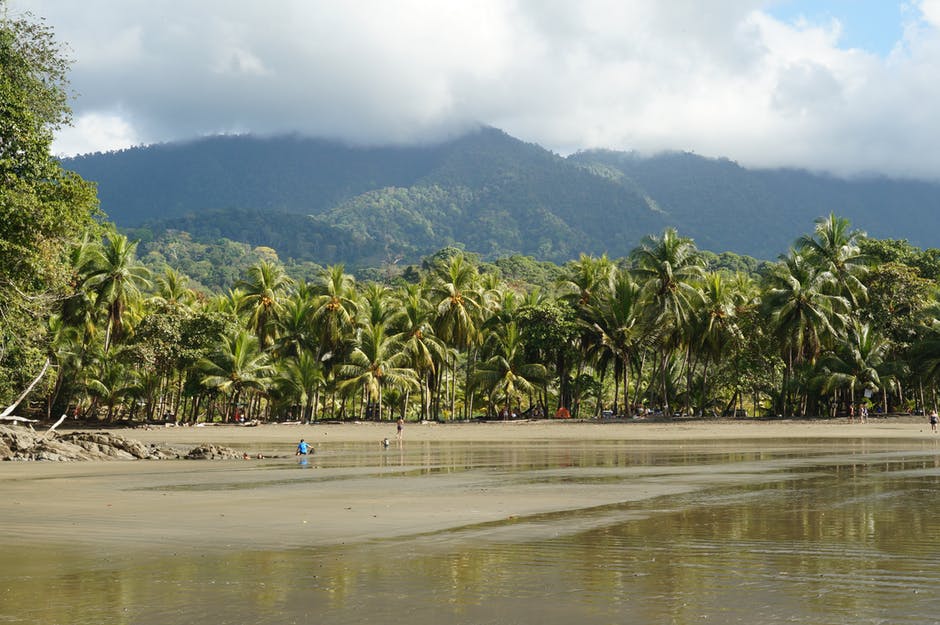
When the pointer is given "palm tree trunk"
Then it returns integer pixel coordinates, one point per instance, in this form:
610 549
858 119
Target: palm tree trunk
616 388
920 391
628 409
687 366
702 400
666 412
639 379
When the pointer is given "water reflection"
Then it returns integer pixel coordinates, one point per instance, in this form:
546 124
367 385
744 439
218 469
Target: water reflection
847 537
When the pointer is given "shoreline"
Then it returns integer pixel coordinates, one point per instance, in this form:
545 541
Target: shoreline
508 431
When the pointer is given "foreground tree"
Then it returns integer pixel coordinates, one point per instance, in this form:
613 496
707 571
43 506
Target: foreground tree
44 208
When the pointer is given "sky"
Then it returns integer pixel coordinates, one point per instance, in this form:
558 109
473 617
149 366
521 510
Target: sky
849 87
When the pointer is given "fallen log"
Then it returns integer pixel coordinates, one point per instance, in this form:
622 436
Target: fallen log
9 409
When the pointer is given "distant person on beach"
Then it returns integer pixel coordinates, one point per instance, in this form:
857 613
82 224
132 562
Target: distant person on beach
401 426
302 448
933 420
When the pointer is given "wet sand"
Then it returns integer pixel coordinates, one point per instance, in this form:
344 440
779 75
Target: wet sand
496 431
160 506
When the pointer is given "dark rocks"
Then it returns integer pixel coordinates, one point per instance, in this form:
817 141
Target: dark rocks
24 444
212 452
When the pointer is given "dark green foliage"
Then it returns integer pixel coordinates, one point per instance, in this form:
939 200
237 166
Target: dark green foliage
527 271
314 200
327 203
724 206
43 208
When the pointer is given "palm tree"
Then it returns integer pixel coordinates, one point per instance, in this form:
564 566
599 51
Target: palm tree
615 316
264 286
833 247
301 377
172 289
233 302
670 267
376 298
458 309
413 325
334 310
116 278
715 326
237 365
295 331
377 362
855 364
109 382
583 277
803 311
505 374
458 304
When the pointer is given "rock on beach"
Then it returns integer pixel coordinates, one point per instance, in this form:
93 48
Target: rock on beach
25 444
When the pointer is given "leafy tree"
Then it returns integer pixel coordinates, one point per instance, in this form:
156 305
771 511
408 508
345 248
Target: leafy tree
44 208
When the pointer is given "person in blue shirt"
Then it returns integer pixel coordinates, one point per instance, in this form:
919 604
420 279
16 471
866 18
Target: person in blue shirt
302 448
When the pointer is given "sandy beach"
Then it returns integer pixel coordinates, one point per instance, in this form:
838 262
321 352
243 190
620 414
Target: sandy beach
497 431
352 489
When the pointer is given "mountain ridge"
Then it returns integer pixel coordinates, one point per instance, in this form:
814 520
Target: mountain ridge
318 200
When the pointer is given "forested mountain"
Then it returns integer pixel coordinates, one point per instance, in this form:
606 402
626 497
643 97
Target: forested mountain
326 202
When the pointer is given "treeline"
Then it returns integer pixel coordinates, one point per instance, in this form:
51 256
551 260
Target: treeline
838 322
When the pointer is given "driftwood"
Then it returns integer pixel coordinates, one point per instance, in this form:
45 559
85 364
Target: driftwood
17 419
56 424
5 415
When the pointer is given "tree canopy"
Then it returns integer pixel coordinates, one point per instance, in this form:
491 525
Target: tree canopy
44 208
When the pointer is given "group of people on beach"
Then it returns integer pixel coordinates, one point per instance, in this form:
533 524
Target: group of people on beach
400 427
862 413
304 448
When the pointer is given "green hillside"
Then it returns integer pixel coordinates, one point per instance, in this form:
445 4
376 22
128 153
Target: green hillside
324 202
724 206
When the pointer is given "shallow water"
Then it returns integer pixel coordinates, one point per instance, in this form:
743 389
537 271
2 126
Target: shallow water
773 533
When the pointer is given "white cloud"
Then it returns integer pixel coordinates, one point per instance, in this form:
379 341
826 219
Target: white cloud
95 132
625 74
931 12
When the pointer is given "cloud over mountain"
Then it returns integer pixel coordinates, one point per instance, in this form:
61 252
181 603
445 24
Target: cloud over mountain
732 80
